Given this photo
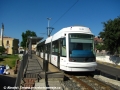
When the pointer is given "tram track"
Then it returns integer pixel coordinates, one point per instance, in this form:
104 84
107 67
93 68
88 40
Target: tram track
84 83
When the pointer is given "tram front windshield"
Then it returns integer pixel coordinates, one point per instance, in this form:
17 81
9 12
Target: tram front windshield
80 45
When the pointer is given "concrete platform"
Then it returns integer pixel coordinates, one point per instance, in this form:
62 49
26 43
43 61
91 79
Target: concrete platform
33 66
51 68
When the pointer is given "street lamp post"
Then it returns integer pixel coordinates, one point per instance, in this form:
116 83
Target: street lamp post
30 47
26 47
48 30
1 38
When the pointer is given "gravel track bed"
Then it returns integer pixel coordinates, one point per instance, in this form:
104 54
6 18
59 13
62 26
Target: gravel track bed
72 85
114 83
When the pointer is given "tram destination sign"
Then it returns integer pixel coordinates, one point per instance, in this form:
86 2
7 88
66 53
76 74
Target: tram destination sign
86 36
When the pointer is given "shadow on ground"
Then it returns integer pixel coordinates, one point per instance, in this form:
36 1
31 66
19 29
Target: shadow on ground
98 72
1 59
6 80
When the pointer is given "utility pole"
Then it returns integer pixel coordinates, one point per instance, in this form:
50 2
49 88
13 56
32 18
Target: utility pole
48 28
45 61
1 38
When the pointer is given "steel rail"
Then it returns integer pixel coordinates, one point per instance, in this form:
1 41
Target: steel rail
101 83
79 81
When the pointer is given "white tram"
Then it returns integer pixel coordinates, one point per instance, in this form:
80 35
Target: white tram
70 49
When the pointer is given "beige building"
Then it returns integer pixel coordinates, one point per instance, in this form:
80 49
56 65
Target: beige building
11 45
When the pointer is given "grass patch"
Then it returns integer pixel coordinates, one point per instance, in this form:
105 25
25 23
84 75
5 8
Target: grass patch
9 60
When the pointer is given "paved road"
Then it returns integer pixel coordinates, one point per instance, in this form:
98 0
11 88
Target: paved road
109 69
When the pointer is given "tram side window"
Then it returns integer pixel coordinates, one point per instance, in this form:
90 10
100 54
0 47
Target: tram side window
42 48
63 42
55 47
48 48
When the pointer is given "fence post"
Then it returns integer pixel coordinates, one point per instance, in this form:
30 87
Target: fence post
46 63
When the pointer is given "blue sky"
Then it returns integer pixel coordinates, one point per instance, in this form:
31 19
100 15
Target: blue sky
21 15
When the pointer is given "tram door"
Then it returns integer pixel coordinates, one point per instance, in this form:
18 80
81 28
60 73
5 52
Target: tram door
59 50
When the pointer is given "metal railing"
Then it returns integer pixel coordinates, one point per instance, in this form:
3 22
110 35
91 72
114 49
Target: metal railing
21 71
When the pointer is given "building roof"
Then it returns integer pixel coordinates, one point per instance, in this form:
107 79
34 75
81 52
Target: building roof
99 40
35 39
8 37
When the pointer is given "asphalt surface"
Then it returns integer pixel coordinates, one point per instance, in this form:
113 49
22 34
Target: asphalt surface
109 69
6 80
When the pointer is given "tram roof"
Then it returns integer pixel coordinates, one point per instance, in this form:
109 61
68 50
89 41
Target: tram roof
48 40
72 29
41 43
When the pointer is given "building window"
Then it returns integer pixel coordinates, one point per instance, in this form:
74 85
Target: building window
7 44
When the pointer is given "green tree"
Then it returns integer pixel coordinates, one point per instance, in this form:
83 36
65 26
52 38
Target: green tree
2 49
111 35
100 47
25 35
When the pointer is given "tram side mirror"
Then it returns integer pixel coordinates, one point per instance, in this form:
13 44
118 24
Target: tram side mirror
62 42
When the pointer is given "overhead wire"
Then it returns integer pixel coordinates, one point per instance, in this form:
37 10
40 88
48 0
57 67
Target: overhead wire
66 12
63 14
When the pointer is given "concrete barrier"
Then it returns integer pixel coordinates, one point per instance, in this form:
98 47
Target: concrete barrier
109 59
